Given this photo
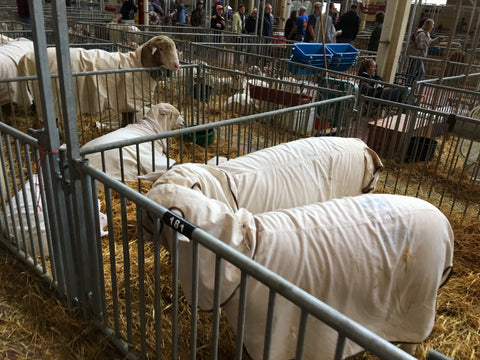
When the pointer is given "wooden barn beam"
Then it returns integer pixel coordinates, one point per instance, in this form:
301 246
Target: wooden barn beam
390 47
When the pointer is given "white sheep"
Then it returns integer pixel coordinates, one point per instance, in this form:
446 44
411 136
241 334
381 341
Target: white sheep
11 52
121 92
160 118
21 212
378 259
121 33
286 175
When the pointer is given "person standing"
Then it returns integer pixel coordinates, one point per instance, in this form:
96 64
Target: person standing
349 23
267 21
180 8
300 26
377 31
419 48
197 15
127 13
218 21
331 32
312 20
238 22
251 21
289 24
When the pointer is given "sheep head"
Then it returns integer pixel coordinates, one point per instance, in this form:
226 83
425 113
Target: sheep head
164 117
160 51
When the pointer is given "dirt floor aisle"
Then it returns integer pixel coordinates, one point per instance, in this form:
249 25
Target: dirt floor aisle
34 326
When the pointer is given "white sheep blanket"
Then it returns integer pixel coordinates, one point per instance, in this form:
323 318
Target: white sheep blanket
286 175
10 54
117 33
21 211
160 118
122 92
378 259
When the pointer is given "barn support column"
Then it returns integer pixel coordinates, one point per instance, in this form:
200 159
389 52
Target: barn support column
390 47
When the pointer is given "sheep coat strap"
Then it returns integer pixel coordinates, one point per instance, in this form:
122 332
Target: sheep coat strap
124 92
237 229
10 55
303 171
159 118
378 259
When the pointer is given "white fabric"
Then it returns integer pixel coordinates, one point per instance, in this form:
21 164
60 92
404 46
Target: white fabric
10 55
19 215
378 259
236 229
117 33
303 171
123 92
160 118
283 176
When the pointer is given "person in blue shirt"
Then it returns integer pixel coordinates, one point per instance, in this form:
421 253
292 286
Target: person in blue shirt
180 8
300 25
312 20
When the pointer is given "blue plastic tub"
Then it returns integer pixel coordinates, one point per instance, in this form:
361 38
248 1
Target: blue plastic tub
311 53
297 69
343 51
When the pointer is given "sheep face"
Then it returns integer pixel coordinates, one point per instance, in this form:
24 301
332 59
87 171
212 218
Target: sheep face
160 51
165 117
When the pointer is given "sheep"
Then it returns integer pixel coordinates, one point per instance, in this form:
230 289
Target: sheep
121 33
160 118
22 211
378 259
10 54
120 92
286 175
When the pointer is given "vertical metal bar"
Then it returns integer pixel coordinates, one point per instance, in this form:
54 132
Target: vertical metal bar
175 297
302 330
157 306
242 306
141 283
216 306
194 306
269 326
341 341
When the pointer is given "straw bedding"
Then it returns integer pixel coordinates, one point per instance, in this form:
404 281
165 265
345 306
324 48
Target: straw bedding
34 325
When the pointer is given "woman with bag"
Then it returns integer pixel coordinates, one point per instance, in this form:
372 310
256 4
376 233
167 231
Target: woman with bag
418 46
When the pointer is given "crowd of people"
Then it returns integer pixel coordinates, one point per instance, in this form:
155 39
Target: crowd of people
300 27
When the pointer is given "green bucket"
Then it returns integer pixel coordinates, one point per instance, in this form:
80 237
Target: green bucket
202 137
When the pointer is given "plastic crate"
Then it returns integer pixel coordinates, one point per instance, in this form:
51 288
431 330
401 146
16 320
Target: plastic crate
343 51
297 69
311 53
336 65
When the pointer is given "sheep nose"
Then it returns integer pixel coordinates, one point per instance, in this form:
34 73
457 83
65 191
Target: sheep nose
176 66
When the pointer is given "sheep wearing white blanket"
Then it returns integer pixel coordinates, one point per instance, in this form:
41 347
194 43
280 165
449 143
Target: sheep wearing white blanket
286 175
10 54
21 212
160 118
121 33
122 92
378 259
